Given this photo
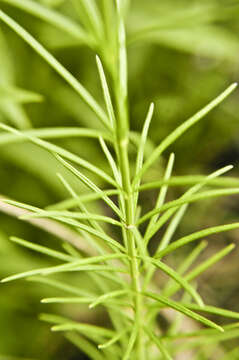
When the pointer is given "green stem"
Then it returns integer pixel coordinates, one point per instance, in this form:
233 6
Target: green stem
122 139
122 135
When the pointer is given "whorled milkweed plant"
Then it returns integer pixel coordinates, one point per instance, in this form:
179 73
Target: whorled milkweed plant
113 248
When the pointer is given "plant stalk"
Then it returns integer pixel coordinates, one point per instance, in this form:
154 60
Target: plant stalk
122 136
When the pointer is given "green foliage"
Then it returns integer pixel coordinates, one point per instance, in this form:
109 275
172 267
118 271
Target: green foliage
106 262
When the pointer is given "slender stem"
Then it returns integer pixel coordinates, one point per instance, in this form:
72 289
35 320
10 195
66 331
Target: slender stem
131 246
122 136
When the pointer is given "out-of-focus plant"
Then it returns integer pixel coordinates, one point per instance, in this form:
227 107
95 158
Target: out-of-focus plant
107 261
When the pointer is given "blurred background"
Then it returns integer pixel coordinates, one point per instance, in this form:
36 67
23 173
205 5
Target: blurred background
189 55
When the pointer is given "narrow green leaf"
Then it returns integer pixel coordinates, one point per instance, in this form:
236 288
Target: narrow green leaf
42 249
77 265
181 129
71 203
159 344
188 261
84 345
54 133
179 307
84 328
77 268
18 95
164 218
62 268
209 262
113 340
202 333
195 236
201 268
189 180
15 114
172 226
90 16
165 240
106 92
140 154
50 16
113 243
91 185
72 215
98 259
83 208
60 151
53 319
213 310
82 263
61 286
122 56
227 335
162 194
179 279
101 299
178 18
67 300
112 163
23 275
63 72
142 250
135 138
94 333
75 300
201 196
131 343
69 249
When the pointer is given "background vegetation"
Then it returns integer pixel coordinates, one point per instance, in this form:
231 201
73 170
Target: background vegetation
187 56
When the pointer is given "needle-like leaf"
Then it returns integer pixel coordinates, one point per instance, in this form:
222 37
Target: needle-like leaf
90 185
106 92
111 162
84 345
189 180
180 280
63 72
179 307
42 249
201 196
72 215
131 343
161 196
54 133
108 296
195 236
60 151
194 273
140 154
188 261
181 129
213 310
164 218
61 286
84 328
159 344
113 340
116 245
50 16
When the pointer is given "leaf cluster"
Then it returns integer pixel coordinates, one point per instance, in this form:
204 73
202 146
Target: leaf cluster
112 248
